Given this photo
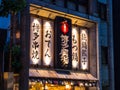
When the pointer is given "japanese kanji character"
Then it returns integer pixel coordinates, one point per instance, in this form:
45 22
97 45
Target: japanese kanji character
35 44
36 35
35 54
46 53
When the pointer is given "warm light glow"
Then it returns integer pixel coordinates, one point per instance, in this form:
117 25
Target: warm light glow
86 84
36 21
42 88
81 84
67 86
35 61
47 24
74 64
84 67
72 83
64 27
17 35
46 87
90 84
83 32
47 61
74 30
48 43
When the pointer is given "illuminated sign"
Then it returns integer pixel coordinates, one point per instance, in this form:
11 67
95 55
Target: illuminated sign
64 50
63 43
64 27
48 39
84 49
62 46
35 41
75 48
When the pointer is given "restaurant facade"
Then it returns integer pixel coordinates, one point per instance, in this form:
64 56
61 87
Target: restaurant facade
60 46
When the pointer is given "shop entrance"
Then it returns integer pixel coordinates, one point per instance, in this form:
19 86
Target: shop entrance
40 86
79 88
58 87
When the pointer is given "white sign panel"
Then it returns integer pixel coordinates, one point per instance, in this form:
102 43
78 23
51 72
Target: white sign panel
35 41
75 48
48 43
84 49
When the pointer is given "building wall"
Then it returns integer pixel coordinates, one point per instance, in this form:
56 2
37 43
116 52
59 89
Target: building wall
116 36
71 10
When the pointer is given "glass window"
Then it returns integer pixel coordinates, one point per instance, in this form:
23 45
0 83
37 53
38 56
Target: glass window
102 10
71 5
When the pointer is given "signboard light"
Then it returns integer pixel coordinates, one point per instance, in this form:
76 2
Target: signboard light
64 27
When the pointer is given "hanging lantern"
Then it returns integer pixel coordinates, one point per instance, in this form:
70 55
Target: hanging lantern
64 27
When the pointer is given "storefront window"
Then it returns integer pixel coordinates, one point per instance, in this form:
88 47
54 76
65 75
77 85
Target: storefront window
38 85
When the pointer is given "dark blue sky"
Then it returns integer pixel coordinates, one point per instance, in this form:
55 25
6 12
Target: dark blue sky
4 22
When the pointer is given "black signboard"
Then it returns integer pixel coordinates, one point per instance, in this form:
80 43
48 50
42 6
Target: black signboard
63 43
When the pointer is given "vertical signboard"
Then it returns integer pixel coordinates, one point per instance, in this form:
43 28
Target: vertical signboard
35 41
75 47
48 39
84 49
63 43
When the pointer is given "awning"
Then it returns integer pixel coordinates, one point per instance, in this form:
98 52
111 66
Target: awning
44 73
51 14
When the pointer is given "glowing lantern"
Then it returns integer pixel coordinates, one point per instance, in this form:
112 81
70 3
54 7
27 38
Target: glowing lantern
64 27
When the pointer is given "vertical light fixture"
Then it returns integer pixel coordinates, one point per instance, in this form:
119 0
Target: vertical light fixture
48 41
84 49
63 43
68 87
35 41
75 48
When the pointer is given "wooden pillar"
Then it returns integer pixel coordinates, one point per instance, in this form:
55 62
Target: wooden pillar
1 70
24 43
